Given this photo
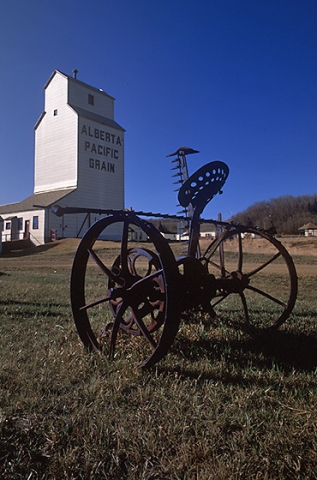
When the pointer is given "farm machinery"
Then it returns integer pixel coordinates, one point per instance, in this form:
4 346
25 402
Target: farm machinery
132 295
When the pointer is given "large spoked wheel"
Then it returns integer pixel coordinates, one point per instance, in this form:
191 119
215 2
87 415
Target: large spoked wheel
254 274
122 291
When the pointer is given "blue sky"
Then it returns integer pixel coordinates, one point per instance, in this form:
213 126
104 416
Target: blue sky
234 79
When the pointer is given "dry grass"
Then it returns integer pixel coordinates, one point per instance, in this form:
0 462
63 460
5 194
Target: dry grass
221 405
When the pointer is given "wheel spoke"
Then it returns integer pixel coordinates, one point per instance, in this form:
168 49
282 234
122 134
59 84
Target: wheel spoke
245 307
146 309
211 248
143 329
222 260
115 328
240 253
219 267
267 295
221 297
144 280
124 248
94 304
104 269
265 264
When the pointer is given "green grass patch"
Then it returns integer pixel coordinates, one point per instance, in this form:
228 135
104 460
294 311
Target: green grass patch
222 404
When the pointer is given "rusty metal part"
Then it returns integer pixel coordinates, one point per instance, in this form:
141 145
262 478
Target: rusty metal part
203 185
196 286
182 174
264 305
139 293
182 152
152 291
136 297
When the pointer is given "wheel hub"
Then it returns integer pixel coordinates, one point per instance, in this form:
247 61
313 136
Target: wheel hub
236 282
197 286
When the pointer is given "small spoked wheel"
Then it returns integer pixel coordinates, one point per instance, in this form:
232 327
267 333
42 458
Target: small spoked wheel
141 263
255 275
122 290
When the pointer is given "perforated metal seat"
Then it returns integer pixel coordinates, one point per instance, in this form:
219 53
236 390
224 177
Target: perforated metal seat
203 185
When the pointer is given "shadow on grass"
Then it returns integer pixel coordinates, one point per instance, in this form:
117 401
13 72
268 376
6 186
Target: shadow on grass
24 310
286 351
30 251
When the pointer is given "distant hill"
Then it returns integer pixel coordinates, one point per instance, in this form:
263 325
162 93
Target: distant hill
284 214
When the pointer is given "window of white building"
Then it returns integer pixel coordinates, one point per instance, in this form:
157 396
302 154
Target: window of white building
35 222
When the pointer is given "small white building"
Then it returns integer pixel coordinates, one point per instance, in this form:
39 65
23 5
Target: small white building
79 162
1 223
208 230
309 230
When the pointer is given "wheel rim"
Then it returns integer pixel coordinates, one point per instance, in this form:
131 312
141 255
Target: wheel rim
125 288
256 277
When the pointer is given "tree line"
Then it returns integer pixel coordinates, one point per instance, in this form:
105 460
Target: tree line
282 215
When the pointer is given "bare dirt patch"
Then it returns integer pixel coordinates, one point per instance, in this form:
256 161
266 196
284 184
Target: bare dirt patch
300 245
61 253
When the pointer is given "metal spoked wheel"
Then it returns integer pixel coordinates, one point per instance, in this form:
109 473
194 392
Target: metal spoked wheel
122 292
255 274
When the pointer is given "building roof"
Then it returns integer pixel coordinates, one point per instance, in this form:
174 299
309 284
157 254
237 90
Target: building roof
81 111
97 118
207 227
77 81
308 226
36 201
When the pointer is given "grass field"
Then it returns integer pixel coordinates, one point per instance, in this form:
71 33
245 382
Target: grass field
221 405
